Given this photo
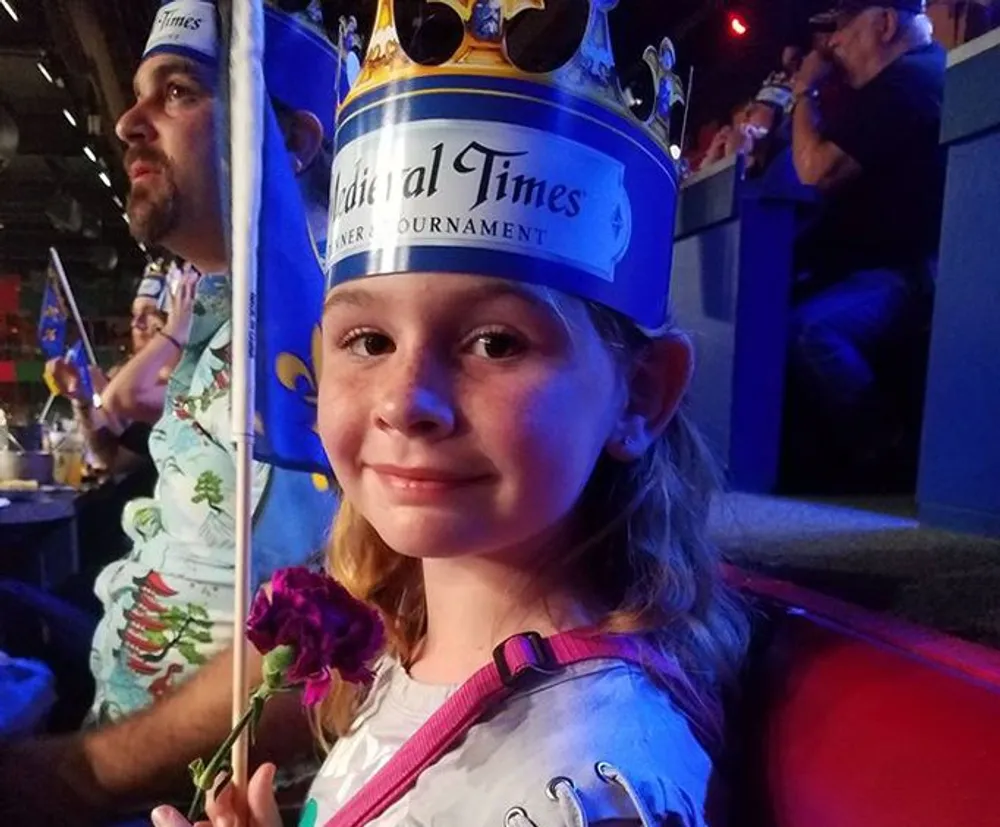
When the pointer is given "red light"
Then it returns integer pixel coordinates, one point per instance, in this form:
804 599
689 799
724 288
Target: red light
737 25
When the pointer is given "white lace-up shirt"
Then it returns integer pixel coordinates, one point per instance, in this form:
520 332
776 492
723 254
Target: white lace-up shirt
597 742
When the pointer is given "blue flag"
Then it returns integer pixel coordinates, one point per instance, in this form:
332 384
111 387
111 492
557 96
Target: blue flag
289 308
304 71
77 357
52 322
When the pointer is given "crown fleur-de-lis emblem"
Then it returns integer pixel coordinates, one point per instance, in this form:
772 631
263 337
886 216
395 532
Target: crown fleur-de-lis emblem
669 87
485 18
383 45
299 375
349 37
592 68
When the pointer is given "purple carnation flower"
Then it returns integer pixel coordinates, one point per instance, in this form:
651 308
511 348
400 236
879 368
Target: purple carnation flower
322 622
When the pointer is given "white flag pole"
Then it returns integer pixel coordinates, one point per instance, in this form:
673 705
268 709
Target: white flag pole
71 300
48 408
687 108
246 135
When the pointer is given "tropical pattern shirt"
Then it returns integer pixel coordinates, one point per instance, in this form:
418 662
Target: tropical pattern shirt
168 605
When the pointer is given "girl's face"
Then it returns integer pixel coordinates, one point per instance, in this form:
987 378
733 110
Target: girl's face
761 115
147 319
464 415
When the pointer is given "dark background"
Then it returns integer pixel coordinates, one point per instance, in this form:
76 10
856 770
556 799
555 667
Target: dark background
50 192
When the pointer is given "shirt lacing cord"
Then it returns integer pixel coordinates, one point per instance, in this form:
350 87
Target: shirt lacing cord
562 791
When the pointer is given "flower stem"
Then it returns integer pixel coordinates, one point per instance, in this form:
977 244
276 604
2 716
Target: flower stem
207 777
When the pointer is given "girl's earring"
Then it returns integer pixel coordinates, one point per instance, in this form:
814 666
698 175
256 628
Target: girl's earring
298 165
625 449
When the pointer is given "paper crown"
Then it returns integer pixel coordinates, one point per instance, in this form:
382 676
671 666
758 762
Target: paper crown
301 66
154 282
777 91
477 166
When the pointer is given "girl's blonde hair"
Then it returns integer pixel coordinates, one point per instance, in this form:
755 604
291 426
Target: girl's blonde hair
642 555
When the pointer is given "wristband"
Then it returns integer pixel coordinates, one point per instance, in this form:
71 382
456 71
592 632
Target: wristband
810 94
171 339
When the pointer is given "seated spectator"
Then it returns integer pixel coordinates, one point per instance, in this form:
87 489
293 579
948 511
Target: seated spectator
116 424
162 654
131 396
730 139
759 128
867 264
767 121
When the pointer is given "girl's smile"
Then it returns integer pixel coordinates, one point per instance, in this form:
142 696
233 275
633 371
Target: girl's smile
425 485
450 408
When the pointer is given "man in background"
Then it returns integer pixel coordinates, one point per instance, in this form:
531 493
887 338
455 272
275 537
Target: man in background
866 266
165 698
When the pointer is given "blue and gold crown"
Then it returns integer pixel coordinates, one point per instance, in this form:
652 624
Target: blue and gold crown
590 73
476 165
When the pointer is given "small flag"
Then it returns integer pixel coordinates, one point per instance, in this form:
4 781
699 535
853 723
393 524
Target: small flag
302 71
290 304
52 323
290 292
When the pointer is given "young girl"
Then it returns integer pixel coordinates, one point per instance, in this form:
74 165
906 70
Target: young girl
519 484
513 459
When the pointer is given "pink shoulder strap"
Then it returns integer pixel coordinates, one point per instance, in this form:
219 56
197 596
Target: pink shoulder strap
512 659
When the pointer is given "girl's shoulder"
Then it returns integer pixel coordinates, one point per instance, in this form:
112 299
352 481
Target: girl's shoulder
598 742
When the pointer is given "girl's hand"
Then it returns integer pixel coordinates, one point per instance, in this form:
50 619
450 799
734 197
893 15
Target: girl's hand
225 809
717 148
180 312
98 379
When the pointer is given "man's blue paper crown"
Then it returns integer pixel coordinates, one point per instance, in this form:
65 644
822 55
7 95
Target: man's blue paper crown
301 66
153 284
478 166
777 91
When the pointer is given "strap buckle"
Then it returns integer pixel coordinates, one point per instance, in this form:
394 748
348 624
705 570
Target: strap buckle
537 656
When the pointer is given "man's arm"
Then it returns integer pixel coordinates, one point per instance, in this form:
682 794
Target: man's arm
87 778
137 392
102 434
818 163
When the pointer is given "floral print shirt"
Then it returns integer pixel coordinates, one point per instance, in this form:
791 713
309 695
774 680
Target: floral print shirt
168 605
